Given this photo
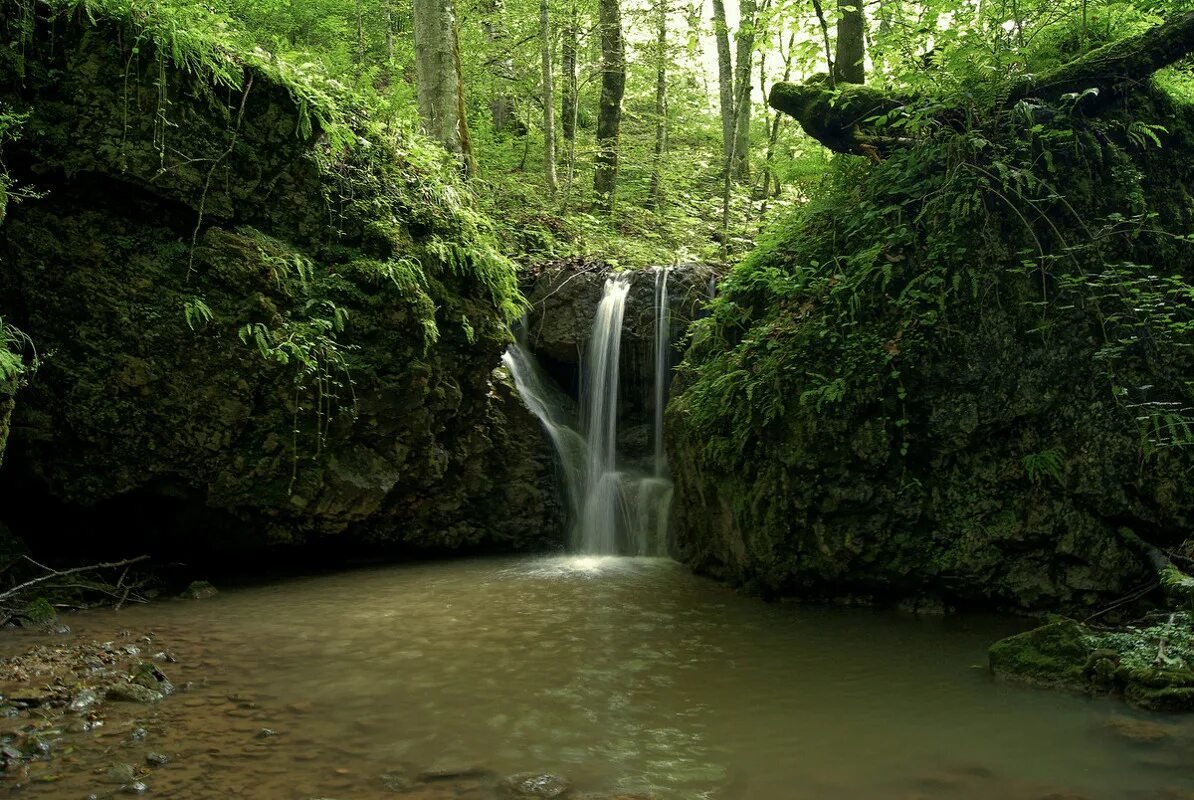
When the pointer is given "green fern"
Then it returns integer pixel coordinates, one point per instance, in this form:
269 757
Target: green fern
1047 463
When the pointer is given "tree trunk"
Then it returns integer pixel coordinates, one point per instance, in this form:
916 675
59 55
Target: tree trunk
725 78
440 85
568 52
742 88
501 107
549 100
848 66
656 200
609 115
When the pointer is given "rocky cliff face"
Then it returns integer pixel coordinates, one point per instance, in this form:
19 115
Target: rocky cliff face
254 316
915 391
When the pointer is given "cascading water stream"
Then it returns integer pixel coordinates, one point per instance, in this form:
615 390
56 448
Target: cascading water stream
538 396
603 513
612 511
663 343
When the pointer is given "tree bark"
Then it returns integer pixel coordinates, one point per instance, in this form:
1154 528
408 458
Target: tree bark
609 114
440 85
549 100
848 66
725 79
745 42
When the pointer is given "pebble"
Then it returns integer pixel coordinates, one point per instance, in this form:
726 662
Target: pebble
157 759
136 787
139 734
266 733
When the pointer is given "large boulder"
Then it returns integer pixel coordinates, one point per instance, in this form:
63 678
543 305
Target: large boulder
259 320
936 381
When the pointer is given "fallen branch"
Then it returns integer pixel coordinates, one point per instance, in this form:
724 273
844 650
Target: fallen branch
837 117
53 574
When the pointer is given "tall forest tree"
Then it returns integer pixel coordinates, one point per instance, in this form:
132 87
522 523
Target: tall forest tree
440 84
725 78
549 108
661 64
745 41
609 112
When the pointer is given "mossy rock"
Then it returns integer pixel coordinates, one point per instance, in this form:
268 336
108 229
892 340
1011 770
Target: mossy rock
199 590
311 356
1150 664
1055 654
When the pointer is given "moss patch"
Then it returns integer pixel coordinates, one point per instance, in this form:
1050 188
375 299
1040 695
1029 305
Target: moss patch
1150 664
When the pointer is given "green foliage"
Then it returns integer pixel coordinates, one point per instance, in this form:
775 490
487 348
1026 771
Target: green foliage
18 356
1047 463
196 312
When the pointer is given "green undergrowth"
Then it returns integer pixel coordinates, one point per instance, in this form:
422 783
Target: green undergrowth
1066 216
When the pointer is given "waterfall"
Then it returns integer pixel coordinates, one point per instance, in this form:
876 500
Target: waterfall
547 405
612 510
663 344
603 514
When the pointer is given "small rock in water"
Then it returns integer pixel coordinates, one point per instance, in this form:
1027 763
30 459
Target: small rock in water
139 734
83 700
136 787
1138 730
532 784
157 759
132 693
200 590
122 773
266 733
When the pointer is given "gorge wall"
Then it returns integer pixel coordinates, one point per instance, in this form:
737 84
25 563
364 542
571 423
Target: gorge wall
259 318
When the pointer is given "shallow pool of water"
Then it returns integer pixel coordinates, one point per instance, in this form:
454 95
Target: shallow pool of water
623 674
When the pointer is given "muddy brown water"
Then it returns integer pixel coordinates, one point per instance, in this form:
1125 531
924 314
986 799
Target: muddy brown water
621 674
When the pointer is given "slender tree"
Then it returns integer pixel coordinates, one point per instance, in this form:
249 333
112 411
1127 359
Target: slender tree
725 77
501 105
437 73
609 113
748 20
549 100
661 64
568 51
851 43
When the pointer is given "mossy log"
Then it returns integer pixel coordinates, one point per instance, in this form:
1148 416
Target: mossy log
837 117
